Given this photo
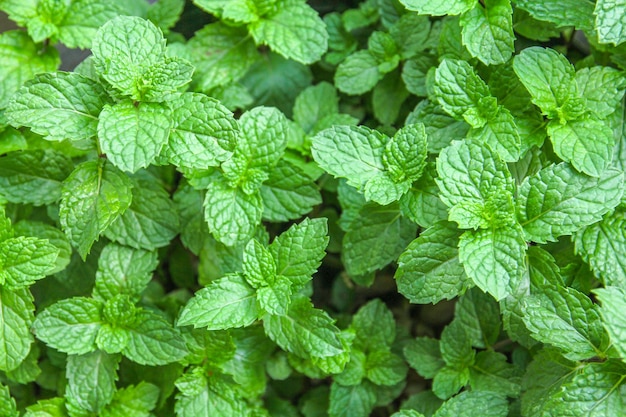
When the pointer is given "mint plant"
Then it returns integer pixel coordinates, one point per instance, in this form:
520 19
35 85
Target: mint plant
399 208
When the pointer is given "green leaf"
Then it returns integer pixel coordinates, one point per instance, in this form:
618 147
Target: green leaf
502 134
429 269
480 316
16 317
474 403
594 392
203 132
232 215
567 319
294 30
612 299
91 379
559 201
165 13
133 401
407 413
24 260
153 340
123 270
314 104
587 144
456 346
200 397
439 8
70 325
33 176
150 222
602 88
488 31
221 54
92 198
304 331
603 246
226 303
259 267
561 12
132 135
20 60
449 381
610 21
491 372
358 73
377 238
494 259
54 236
352 401
276 298
53 407
7 403
58 106
288 193
405 154
424 356
374 327
385 368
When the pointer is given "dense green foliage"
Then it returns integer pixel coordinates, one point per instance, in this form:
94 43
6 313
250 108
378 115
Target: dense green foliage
278 208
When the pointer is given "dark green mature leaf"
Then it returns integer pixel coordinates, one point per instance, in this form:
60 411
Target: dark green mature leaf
352 401
16 317
374 327
424 355
613 303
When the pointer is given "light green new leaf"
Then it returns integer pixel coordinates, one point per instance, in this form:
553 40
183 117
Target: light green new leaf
488 31
221 54
93 196
52 407
123 270
559 201
475 403
597 391
299 250
294 30
429 269
288 193
567 319
20 60
226 303
603 246
602 88
405 154
439 8
259 267
305 331
494 258
231 214
611 21
24 260
70 325
153 341
91 379
150 222
33 176
132 134
276 298
133 401
613 301
16 317
82 19
53 235
377 238
353 401
203 132
501 133
314 104
124 50
61 105
358 73
562 13
587 144
165 13
199 397
7 403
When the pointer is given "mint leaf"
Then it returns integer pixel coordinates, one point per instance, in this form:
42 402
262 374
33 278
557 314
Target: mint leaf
352 401
288 193
304 331
7 403
567 319
491 372
199 395
610 22
314 104
70 325
602 88
33 177
378 238
258 264
24 260
221 54
93 196
153 341
561 12
470 403
91 379
480 316
405 154
82 19
203 132
226 303
385 368
133 401
424 355
559 201
21 59
232 215
456 347
587 144
449 381
123 270
294 30
494 259
602 245
150 222
374 327
16 311
276 297
429 269
452 7
74 100
132 134
358 73
612 299
502 134
488 31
